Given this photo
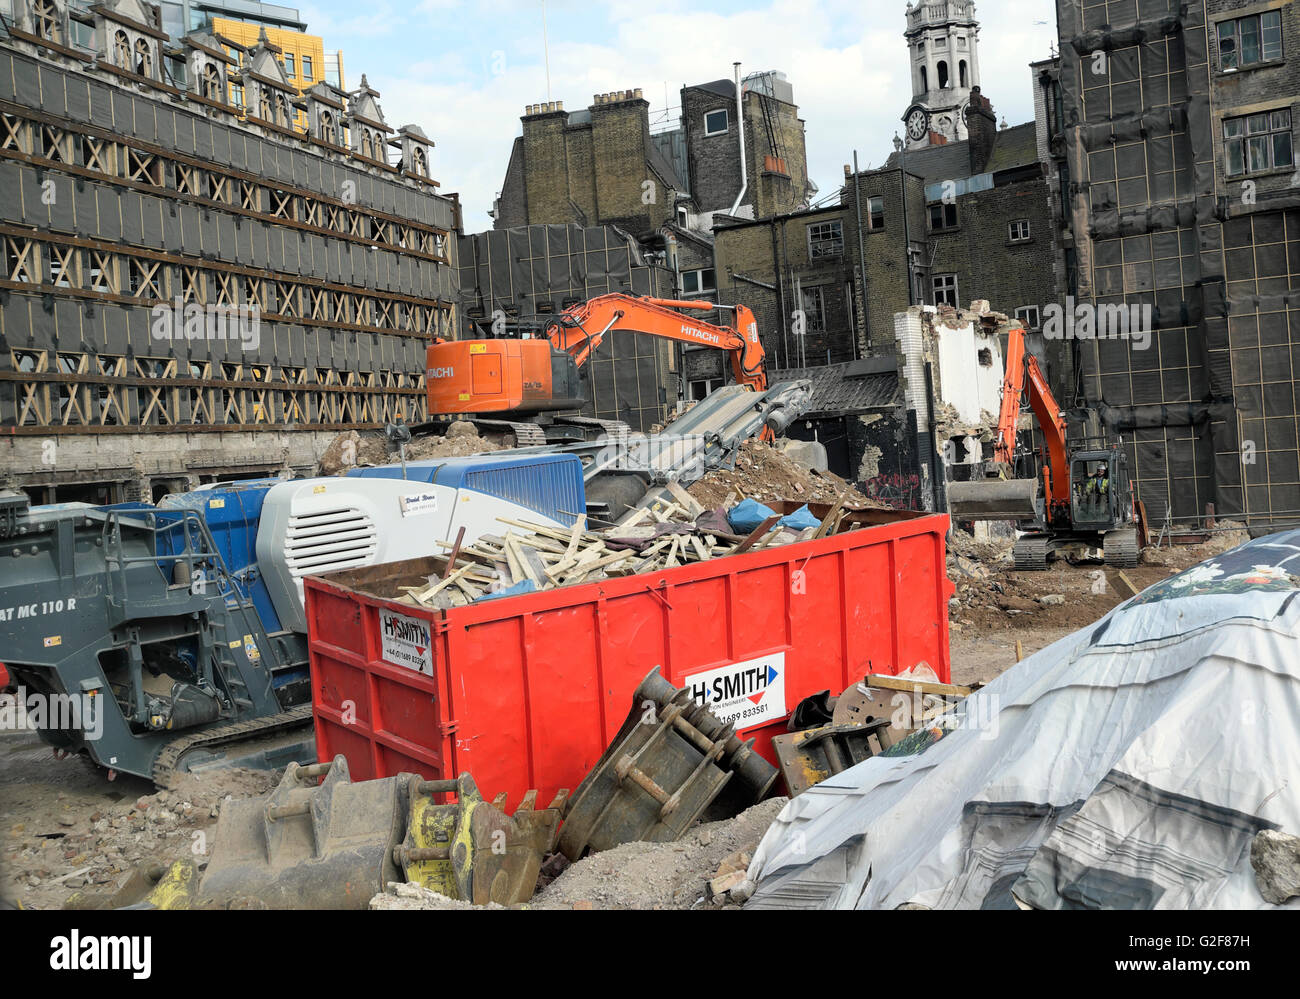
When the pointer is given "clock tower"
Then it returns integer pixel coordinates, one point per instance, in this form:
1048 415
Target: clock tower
943 42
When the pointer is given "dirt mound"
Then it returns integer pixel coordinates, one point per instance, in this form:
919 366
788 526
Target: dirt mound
356 450
658 875
764 473
68 829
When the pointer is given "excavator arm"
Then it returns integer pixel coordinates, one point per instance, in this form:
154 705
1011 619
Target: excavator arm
1017 499
1025 376
580 330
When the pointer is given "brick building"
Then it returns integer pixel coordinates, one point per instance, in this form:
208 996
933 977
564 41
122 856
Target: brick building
139 219
988 225
1180 140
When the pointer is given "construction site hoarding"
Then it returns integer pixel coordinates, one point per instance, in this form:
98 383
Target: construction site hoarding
527 691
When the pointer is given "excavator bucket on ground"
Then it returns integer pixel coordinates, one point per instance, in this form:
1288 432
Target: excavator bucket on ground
335 844
993 499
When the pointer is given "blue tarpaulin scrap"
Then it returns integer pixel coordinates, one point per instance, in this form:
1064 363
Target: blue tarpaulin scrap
520 588
748 514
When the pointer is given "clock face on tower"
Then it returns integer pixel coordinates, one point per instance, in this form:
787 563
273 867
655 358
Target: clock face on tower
918 123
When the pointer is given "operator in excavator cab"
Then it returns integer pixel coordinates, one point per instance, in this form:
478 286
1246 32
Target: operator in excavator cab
1097 488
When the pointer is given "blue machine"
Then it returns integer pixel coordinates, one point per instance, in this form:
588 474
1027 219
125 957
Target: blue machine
549 484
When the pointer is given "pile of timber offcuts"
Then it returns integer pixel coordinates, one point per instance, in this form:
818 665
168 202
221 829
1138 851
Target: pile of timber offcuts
526 556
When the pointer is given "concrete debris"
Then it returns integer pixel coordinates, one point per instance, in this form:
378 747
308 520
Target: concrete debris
1275 856
765 473
355 450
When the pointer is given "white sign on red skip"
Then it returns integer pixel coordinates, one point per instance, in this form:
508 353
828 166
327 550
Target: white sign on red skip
406 641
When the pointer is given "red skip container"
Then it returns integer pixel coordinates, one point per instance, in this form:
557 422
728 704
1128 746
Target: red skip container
527 691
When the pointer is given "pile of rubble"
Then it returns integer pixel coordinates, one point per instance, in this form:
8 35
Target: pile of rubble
97 841
705 869
766 473
355 450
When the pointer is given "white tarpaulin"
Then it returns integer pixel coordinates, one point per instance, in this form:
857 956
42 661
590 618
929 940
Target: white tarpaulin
1127 766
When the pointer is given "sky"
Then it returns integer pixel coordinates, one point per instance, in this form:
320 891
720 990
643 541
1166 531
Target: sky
463 70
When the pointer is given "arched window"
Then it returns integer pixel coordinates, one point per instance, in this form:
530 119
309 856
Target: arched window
143 57
419 164
925 79
326 126
45 16
367 144
212 82
961 73
121 50
282 114
943 75
264 103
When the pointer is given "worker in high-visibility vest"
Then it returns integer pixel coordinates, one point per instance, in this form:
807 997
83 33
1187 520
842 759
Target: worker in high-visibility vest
1098 488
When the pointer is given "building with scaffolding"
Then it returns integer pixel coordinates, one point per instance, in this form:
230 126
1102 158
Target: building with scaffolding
192 290
1178 138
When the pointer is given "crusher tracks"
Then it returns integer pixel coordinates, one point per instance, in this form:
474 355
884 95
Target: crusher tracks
615 431
1121 548
1030 553
164 767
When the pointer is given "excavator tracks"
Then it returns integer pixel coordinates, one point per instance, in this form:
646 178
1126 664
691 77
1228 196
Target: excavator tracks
165 766
1121 548
1030 553
526 434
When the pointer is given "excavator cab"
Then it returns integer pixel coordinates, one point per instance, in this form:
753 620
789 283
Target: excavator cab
1099 489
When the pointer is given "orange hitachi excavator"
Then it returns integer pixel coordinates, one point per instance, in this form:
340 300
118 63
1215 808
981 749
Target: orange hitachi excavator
521 380
1075 499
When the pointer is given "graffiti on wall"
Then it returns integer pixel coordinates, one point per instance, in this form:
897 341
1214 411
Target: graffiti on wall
900 490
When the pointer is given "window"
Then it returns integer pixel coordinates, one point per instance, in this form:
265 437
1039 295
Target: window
943 216
1028 316
699 282
683 216
701 387
945 289
943 75
813 304
876 213
1257 142
306 67
825 239
288 64
1018 231
715 122
1250 40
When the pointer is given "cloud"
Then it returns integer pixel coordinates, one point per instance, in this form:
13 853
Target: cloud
468 82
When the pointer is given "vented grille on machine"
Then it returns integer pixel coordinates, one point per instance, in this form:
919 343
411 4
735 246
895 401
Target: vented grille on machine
329 540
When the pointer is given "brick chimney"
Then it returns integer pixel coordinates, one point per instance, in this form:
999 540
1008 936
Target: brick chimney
981 129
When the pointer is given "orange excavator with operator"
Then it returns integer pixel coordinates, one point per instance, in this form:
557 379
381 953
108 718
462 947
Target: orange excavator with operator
1075 499
518 383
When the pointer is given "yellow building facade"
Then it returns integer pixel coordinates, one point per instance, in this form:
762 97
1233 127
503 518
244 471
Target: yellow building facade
304 56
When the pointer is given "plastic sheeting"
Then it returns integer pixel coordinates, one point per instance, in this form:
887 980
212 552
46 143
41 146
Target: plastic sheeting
1127 766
